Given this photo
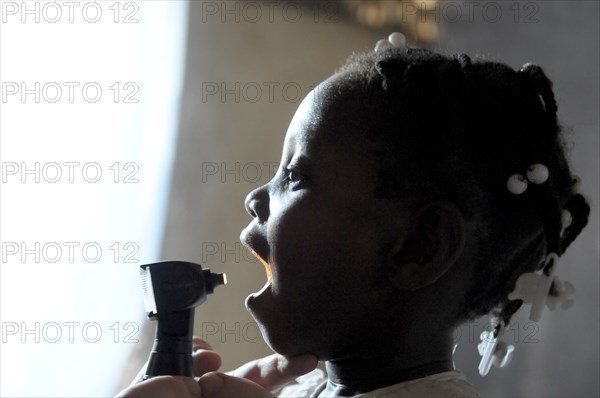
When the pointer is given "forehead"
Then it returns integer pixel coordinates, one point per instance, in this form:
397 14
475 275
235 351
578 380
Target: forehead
339 157
317 119
304 124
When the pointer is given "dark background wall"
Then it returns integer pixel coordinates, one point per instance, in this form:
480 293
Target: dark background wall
229 142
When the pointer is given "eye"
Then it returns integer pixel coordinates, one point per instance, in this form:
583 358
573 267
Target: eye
293 177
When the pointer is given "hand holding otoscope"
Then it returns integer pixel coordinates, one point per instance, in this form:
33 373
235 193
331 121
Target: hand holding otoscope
172 290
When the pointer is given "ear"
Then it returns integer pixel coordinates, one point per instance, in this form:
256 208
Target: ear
432 243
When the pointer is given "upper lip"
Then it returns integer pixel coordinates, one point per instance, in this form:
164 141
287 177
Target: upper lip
254 239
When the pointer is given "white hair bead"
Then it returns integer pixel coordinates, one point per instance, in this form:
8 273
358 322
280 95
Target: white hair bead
382 44
397 39
516 184
537 173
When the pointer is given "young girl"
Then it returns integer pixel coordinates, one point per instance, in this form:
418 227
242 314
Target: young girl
416 192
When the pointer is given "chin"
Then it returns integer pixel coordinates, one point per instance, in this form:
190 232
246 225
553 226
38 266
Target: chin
284 340
283 345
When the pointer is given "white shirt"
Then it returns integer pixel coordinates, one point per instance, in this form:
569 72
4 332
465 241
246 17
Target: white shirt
444 384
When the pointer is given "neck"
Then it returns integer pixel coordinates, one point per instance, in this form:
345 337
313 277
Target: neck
387 359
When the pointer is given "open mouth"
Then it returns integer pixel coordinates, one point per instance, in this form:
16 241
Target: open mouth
253 240
267 267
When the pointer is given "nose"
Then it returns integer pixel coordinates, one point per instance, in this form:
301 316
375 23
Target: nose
257 204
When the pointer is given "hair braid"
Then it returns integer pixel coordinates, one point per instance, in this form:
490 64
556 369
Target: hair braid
463 60
543 85
580 211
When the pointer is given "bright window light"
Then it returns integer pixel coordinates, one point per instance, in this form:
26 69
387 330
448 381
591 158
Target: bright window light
88 119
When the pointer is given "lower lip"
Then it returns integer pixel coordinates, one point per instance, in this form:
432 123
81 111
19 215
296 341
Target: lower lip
254 298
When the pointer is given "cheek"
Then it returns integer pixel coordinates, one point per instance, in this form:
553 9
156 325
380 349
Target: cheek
323 248
324 259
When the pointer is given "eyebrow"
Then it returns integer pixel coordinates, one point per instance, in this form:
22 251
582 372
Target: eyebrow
300 161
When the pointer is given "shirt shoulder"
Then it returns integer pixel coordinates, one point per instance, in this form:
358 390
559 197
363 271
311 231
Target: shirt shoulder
446 384
307 385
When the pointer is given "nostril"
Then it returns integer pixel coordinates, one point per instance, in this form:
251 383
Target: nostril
257 205
250 205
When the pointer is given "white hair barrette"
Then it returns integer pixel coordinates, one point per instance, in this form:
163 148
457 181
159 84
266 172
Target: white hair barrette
493 351
535 289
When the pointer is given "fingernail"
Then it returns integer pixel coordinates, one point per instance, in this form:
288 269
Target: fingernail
211 383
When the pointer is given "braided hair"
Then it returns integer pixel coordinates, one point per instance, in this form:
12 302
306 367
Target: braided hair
454 128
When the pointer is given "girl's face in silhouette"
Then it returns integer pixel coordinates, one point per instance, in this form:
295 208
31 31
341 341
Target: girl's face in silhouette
324 234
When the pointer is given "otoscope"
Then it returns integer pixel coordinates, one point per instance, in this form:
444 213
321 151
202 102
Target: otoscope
172 290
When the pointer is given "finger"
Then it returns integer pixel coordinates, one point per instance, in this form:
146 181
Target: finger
276 370
219 385
199 344
205 361
163 387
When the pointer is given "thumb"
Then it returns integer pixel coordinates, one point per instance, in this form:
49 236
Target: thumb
276 370
219 385
163 387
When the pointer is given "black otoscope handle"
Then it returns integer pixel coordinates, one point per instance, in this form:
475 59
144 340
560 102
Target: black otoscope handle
172 350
